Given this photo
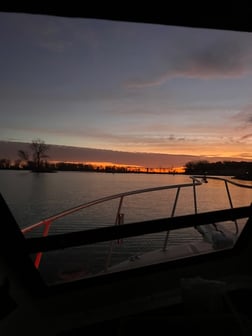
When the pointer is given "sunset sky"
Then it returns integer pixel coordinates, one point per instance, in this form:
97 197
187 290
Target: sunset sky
125 86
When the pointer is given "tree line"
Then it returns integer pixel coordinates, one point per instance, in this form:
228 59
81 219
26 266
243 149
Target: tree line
36 160
242 169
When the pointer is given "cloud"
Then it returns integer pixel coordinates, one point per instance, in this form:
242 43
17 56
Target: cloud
145 83
245 137
223 57
228 57
245 155
244 117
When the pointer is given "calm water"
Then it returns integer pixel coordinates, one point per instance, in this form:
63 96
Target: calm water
33 197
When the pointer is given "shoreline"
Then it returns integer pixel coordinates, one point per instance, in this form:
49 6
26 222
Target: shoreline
243 177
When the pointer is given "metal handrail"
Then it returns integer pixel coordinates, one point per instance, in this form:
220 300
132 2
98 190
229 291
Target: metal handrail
197 180
226 182
206 177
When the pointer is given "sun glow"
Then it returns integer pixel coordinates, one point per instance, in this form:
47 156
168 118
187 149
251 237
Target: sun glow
102 165
138 168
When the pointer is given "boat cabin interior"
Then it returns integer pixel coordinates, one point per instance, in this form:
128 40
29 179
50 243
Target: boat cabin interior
201 294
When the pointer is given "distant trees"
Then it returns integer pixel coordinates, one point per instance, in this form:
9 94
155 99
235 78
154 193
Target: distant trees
38 153
23 156
225 168
5 163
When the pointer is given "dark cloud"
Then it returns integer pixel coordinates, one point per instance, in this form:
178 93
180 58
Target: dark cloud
244 116
245 137
68 153
221 57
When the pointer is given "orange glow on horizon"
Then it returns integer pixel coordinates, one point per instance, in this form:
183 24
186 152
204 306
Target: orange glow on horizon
129 167
139 168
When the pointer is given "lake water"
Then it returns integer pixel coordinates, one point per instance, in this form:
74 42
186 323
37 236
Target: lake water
33 197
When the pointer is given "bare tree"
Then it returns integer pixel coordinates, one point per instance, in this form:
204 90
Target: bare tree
38 153
5 163
39 149
23 155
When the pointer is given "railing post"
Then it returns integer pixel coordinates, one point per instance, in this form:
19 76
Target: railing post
231 206
172 215
118 220
45 234
195 198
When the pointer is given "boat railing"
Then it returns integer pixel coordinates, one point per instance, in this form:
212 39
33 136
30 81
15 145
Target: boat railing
226 183
197 180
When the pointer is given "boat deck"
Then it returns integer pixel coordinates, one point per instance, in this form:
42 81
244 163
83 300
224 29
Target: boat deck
161 256
210 243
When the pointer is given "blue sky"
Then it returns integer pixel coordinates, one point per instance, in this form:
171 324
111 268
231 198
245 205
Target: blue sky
125 86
